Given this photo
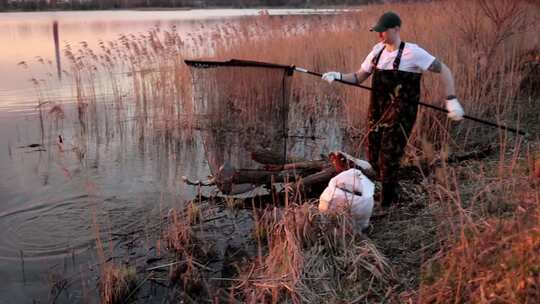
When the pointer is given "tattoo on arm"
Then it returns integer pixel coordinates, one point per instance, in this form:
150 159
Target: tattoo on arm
436 66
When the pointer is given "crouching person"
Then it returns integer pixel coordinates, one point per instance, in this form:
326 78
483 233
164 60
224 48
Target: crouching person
352 190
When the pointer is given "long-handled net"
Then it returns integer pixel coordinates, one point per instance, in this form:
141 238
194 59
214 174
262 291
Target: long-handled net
245 106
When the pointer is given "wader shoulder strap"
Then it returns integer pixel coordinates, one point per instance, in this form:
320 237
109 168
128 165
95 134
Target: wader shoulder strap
375 59
398 57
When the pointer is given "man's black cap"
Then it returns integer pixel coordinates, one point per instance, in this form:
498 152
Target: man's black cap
386 21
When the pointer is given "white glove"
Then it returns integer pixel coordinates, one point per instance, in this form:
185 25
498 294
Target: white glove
331 76
455 111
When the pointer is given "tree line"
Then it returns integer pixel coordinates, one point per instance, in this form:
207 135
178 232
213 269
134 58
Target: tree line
36 5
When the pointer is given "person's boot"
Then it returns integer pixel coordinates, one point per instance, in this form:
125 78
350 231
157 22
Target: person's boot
389 194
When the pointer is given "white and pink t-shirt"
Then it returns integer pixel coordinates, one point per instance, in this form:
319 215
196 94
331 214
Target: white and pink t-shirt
414 59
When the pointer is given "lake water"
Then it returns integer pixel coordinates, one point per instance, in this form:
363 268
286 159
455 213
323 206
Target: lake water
26 36
52 196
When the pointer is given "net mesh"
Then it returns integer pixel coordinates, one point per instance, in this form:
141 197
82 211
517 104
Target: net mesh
243 110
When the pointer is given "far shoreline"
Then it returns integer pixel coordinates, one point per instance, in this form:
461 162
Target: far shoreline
157 8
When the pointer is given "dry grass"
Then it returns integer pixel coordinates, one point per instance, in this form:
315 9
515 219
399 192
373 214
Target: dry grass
467 232
117 283
312 258
484 217
486 53
190 253
494 260
486 82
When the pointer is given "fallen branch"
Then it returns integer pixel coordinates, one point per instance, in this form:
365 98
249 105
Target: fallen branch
230 180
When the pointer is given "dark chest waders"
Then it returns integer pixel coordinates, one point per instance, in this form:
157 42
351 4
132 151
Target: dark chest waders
392 113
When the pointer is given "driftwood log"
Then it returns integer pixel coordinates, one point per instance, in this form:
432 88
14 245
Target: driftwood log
304 173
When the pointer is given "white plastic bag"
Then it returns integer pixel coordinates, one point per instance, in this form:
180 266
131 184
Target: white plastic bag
349 189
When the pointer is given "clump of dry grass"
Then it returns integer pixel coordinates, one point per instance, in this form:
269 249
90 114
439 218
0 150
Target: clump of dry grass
117 283
312 258
179 235
189 252
496 260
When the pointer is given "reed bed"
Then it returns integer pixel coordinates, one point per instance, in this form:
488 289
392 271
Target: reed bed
492 259
487 52
466 232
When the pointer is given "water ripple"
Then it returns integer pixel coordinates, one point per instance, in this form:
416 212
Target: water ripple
63 227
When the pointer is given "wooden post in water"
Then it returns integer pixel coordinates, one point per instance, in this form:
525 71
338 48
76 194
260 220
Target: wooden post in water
57 49
22 265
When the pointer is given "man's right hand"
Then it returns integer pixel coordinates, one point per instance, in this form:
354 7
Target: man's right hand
454 108
331 76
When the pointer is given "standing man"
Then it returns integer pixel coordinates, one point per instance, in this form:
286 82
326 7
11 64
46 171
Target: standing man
397 71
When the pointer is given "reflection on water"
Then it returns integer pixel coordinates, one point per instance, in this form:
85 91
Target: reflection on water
86 170
54 196
25 36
